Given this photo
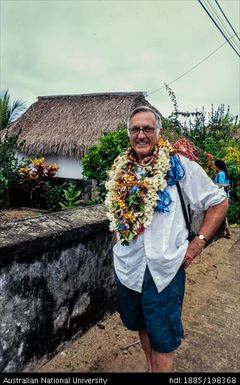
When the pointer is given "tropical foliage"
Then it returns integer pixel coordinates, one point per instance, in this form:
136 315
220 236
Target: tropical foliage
9 164
36 173
71 197
217 136
99 157
53 194
9 111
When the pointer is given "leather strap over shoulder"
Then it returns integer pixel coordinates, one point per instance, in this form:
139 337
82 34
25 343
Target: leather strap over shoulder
186 214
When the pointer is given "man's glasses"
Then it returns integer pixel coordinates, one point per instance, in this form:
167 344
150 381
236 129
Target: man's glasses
146 129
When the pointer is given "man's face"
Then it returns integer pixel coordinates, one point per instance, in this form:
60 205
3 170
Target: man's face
143 142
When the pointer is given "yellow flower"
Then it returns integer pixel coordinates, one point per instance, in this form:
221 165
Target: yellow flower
24 170
162 143
145 183
130 217
121 204
38 161
129 178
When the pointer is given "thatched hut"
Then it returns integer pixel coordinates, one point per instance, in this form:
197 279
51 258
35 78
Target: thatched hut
61 128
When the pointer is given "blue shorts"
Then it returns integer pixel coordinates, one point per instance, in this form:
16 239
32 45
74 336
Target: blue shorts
158 313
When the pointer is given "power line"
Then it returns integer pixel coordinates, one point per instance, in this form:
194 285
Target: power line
218 27
190 69
220 21
210 5
227 19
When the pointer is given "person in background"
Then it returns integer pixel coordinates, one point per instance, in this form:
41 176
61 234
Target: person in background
221 178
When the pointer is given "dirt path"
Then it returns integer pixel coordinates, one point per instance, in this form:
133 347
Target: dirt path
210 316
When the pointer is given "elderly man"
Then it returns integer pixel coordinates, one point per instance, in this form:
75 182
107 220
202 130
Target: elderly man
153 248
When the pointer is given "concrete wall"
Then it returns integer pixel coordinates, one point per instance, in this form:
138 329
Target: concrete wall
55 282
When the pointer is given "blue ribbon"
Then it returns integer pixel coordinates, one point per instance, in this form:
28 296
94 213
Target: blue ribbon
175 173
133 190
163 202
121 227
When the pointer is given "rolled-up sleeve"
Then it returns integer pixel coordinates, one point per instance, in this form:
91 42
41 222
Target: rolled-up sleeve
198 188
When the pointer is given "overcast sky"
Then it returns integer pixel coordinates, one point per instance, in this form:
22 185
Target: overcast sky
73 47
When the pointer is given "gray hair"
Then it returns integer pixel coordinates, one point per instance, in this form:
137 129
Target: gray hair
145 109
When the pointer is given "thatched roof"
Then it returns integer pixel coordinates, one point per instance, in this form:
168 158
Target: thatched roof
67 125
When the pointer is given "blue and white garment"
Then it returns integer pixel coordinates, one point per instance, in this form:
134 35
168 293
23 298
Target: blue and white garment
221 179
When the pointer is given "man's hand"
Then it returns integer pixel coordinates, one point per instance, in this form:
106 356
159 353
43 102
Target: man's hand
212 220
195 248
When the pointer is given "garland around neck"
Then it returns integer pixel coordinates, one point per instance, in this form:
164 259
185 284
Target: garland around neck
133 197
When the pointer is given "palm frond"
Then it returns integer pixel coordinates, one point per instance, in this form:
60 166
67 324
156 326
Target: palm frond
9 112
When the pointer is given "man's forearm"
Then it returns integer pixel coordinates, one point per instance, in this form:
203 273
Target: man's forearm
213 219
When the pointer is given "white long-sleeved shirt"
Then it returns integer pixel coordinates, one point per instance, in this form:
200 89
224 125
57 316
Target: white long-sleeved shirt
163 244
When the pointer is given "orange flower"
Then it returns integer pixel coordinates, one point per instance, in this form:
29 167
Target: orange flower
53 167
161 143
129 178
121 204
129 217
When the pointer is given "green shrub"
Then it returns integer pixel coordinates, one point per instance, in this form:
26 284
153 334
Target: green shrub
100 157
3 188
53 195
9 165
92 202
234 208
71 197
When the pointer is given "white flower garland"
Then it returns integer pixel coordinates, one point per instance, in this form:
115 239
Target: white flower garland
124 218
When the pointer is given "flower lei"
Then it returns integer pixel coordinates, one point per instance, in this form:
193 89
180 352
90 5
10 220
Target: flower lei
132 196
